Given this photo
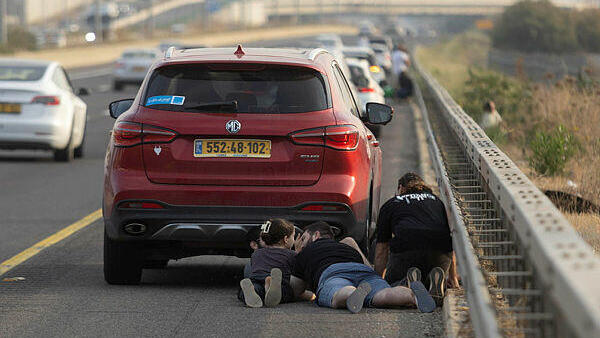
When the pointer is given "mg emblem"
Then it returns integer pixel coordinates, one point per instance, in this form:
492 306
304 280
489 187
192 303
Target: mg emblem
233 126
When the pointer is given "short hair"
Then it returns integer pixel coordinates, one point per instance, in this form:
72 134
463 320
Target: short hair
276 231
253 234
413 183
322 227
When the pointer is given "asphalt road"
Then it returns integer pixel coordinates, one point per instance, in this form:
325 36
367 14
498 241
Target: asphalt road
64 293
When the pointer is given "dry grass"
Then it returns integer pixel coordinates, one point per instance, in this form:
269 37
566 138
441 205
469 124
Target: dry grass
564 103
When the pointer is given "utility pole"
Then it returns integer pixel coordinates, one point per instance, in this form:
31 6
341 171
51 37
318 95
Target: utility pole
3 23
99 30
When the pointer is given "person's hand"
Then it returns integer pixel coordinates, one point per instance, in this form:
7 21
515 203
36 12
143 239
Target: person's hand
452 282
301 242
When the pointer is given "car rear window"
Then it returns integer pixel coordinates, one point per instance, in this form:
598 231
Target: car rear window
250 88
21 73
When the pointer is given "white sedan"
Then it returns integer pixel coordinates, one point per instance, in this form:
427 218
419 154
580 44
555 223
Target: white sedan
368 89
39 110
132 66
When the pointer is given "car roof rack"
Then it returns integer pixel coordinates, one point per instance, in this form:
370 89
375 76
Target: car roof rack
315 52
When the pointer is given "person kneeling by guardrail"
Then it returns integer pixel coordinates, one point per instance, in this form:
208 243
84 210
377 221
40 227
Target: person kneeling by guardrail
413 236
342 277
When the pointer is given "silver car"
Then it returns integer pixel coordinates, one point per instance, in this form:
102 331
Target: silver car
132 66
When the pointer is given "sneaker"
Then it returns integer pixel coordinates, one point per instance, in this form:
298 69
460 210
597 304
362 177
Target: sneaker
355 302
423 299
413 275
436 284
273 292
251 298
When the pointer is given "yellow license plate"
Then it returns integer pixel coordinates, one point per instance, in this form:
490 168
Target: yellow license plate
232 148
10 108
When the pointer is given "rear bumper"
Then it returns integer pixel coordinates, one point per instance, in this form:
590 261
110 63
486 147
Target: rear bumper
218 227
34 134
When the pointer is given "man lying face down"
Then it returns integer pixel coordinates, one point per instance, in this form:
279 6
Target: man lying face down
341 276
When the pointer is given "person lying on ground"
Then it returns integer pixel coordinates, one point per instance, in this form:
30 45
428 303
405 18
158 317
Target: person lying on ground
271 265
341 279
254 242
413 231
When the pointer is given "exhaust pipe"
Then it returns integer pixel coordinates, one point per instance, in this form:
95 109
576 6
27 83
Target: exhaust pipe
135 228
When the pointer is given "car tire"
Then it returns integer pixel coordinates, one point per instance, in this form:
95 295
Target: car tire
67 153
364 243
122 262
118 86
79 151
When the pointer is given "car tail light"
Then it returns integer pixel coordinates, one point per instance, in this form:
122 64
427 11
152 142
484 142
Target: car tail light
152 134
311 137
366 90
127 134
323 207
343 137
46 100
119 65
141 205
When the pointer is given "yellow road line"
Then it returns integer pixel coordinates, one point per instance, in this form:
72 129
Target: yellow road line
49 241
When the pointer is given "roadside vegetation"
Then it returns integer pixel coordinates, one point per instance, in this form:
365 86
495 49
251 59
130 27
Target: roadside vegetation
542 27
551 129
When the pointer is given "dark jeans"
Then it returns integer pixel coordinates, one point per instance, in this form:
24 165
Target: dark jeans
399 263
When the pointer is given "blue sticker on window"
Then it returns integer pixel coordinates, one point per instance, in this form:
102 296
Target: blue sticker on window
166 99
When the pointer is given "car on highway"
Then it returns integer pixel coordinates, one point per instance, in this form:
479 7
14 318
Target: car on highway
367 89
383 56
219 140
132 66
367 53
39 109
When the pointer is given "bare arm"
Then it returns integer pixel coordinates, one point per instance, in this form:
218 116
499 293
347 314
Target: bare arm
382 252
352 243
453 273
298 285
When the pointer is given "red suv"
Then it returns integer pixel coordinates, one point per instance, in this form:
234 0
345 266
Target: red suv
219 140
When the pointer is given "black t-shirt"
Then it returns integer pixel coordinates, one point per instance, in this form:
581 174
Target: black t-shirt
318 256
264 259
414 222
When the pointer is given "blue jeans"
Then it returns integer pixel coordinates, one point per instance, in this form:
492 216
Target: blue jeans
340 275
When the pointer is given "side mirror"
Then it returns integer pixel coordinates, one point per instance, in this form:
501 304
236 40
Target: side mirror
378 113
83 92
119 107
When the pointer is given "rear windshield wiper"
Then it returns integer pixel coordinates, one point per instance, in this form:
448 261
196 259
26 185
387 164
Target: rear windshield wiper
227 106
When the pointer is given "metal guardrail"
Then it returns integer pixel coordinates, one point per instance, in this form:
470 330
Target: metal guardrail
525 269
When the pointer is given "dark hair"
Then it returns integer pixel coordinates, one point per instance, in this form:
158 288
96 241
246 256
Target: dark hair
322 227
413 183
276 231
253 235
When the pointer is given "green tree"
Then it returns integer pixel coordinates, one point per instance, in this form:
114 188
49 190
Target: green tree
532 26
588 29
